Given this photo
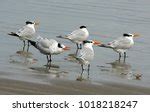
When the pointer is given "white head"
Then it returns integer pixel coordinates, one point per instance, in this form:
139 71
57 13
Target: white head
61 48
32 23
91 42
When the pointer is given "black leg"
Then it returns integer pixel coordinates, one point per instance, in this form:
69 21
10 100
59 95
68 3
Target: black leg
28 46
119 56
47 61
50 60
82 70
125 55
88 70
24 44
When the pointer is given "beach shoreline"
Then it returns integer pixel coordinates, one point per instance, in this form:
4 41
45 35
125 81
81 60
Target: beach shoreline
67 87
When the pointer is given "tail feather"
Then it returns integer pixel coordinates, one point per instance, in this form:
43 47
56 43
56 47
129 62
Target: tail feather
106 46
33 43
13 34
63 37
60 36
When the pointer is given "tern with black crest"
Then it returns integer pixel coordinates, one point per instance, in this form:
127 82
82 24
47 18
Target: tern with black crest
86 54
26 32
121 44
49 47
77 36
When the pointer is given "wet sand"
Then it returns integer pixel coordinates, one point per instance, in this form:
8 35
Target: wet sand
66 87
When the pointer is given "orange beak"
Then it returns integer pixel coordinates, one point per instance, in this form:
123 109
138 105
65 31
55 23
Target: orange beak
66 48
136 35
95 42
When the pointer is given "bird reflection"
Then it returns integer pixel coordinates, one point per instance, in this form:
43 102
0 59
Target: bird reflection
44 70
24 53
123 69
82 78
23 58
120 67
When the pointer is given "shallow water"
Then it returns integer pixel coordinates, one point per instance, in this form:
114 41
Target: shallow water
105 20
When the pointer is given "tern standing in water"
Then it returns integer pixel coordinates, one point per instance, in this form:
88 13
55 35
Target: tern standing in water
25 33
86 54
77 36
121 44
49 47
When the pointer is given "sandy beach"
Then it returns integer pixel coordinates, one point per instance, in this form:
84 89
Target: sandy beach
61 87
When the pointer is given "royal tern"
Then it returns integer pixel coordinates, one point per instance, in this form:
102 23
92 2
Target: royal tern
86 54
77 36
49 47
26 32
121 44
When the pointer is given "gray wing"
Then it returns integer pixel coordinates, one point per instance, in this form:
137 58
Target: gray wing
25 31
121 43
46 43
77 34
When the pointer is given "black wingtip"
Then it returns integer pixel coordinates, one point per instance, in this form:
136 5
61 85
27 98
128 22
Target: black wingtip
13 34
106 46
32 43
59 36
